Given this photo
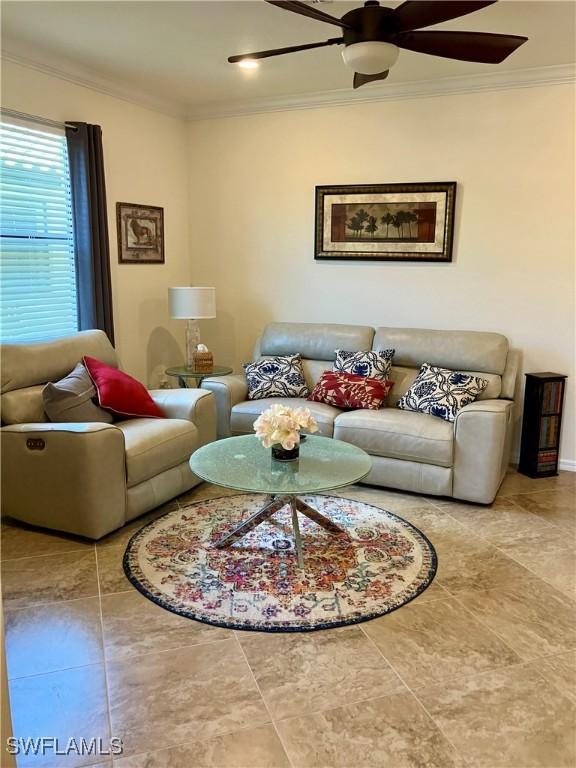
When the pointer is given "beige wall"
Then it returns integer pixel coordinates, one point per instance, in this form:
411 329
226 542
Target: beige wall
239 214
146 162
512 154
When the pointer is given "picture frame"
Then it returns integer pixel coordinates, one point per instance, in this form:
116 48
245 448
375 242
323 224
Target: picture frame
385 222
140 231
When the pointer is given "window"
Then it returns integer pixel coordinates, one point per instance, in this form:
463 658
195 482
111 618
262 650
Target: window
37 267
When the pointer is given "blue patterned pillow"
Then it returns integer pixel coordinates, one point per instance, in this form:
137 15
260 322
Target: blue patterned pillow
374 364
276 377
441 392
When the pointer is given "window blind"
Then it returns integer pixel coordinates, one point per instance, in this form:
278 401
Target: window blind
37 269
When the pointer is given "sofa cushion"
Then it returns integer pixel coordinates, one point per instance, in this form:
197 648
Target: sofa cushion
398 434
441 392
71 399
120 393
346 391
21 406
155 445
313 370
314 341
280 376
403 379
373 363
244 414
24 365
458 350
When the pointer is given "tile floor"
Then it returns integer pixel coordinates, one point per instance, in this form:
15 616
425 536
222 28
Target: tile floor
477 672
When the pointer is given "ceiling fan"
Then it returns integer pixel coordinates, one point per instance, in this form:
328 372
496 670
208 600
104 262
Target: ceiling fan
373 35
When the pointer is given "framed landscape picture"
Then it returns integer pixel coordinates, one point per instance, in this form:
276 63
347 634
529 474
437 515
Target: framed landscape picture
385 222
140 233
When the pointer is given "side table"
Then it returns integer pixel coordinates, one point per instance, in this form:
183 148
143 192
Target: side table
183 374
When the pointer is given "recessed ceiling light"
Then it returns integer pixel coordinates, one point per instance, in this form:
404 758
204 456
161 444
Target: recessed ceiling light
248 64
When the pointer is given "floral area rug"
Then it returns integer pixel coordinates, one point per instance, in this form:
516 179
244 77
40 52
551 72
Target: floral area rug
380 564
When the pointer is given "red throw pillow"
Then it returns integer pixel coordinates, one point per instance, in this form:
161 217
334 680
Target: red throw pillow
348 390
120 393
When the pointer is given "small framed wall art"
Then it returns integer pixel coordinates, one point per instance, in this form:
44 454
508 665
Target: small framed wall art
140 233
385 222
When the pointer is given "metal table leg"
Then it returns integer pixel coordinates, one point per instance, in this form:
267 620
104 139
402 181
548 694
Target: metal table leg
317 517
255 519
296 526
274 504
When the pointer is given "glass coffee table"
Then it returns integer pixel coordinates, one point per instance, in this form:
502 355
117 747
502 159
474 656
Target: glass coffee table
242 463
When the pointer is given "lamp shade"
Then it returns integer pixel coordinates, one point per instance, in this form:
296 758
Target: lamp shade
370 57
192 303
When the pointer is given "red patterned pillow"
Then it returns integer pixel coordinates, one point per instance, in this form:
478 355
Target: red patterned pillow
348 390
120 393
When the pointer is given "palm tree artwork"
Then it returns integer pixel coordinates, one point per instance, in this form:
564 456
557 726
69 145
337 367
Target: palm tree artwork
354 224
387 222
372 225
409 221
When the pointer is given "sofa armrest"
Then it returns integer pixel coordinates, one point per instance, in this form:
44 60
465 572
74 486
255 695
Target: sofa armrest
195 405
67 427
228 391
70 477
482 439
483 406
510 374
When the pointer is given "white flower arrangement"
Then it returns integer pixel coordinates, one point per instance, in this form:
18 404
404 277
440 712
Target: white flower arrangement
281 425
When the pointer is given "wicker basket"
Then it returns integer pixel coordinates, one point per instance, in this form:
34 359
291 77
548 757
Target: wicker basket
203 362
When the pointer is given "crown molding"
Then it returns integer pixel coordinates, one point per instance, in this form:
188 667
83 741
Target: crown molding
491 81
99 84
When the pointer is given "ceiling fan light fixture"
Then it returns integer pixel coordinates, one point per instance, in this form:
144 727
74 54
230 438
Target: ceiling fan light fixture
248 64
371 57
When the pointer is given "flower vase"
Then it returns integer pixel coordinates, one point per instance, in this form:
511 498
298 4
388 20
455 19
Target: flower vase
284 454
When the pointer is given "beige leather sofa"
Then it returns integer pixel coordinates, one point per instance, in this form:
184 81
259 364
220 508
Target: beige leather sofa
410 451
91 478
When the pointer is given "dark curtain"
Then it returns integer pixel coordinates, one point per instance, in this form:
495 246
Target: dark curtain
90 227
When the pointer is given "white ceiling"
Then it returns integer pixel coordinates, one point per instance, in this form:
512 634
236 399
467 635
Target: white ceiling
174 53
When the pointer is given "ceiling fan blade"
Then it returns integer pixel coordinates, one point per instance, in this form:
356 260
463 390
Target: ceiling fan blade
306 10
415 14
482 47
360 79
281 51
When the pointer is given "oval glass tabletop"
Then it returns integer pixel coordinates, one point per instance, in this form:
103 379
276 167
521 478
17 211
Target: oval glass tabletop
244 464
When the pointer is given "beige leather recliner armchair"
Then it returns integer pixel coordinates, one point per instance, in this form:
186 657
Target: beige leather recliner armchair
90 478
